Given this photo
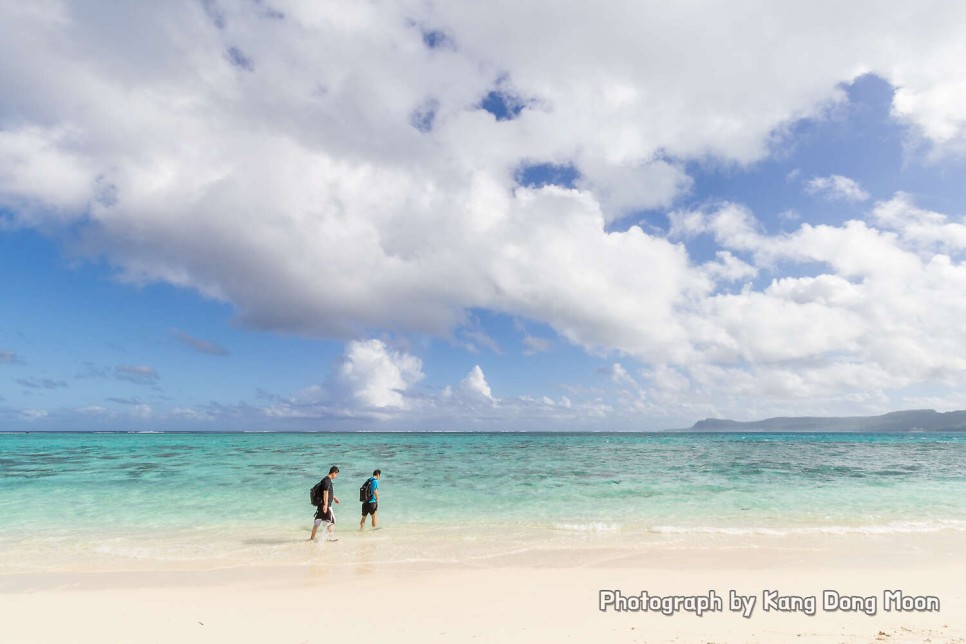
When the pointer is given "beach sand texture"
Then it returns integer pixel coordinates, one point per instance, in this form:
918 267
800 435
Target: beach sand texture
509 598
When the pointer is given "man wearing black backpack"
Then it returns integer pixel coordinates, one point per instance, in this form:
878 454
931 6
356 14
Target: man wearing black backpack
326 497
369 495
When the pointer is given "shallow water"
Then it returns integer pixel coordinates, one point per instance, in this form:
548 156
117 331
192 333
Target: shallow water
190 497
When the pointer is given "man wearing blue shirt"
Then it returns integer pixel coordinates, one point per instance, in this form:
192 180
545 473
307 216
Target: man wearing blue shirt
370 505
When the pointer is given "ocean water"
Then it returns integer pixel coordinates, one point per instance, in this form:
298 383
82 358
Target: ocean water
70 500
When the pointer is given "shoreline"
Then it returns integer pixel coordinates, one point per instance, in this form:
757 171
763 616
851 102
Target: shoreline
395 547
509 597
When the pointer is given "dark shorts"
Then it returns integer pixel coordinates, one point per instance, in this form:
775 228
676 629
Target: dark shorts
326 516
369 508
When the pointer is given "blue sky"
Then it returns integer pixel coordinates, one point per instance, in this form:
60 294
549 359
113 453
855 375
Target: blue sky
224 216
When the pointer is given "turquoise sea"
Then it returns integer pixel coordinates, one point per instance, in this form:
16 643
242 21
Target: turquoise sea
140 499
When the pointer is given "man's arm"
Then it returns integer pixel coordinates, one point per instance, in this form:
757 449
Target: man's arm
325 500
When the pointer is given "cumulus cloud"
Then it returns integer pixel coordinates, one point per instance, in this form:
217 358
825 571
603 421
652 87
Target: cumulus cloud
475 384
378 377
333 169
836 187
921 229
384 385
932 101
371 381
876 315
290 141
728 268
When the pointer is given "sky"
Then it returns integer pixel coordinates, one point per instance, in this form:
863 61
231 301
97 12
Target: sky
528 215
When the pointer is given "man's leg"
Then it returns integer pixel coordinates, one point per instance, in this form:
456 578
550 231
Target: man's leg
330 526
315 528
373 520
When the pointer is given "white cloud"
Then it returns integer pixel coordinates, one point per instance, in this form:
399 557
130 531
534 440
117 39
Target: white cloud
876 317
383 385
620 376
733 225
728 268
334 214
836 187
475 384
297 188
667 382
624 188
921 230
378 377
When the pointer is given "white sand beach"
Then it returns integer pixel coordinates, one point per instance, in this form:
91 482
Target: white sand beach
536 596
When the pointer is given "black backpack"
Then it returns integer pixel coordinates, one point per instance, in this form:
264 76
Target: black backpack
365 492
315 494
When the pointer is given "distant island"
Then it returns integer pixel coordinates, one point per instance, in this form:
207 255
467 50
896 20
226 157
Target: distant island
916 420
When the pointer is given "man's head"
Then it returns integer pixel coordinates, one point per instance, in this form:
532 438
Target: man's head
333 472
376 473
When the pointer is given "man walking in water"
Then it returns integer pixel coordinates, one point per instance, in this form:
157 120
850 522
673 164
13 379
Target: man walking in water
323 513
371 504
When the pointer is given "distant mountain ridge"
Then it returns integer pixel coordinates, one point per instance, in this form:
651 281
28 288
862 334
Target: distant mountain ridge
928 420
